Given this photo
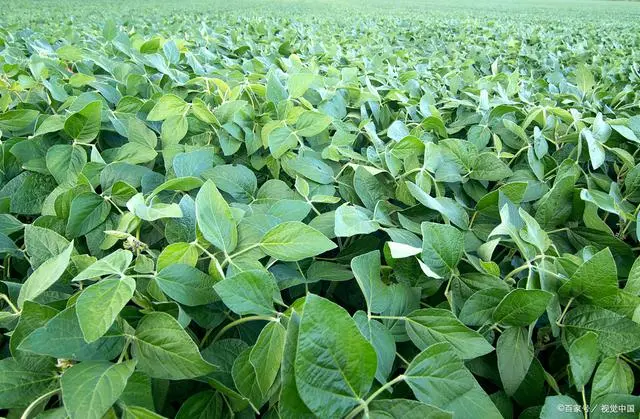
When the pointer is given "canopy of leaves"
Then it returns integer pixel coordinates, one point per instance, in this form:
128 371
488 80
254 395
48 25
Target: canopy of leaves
319 209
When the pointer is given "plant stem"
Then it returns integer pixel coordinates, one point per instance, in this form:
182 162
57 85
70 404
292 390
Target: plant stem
36 402
234 324
9 303
566 308
362 406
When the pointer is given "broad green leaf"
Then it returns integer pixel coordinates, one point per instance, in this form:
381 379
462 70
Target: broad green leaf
521 307
88 211
62 337
186 285
488 166
405 409
594 279
616 333
65 162
90 388
215 219
20 385
235 179
382 341
556 407
515 353
281 140
613 376
204 405
248 292
153 211
99 305
583 357
311 123
334 365
163 349
266 355
366 269
478 309
428 326
167 106
447 207
293 241
83 126
114 263
178 253
438 377
352 220
45 276
442 247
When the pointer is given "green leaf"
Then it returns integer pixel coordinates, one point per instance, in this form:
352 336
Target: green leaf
366 269
44 276
557 407
442 247
438 377
266 355
62 337
114 263
594 279
249 292
382 341
291 405
236 180
204 405
299 83
65 162
281 140
215 219
83 126
334 364
153 212
428 326
478 309
167 106
616 333
488 166
88 210
99 305
311 123
293 241
583 357
163 349
405 409
90 388
515 354
182 253
186 285
352 220
20 385
521 307
447 207
613 376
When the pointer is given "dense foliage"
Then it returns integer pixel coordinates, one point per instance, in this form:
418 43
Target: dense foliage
313 210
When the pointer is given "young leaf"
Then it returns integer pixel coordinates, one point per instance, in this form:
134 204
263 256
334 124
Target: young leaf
293 241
